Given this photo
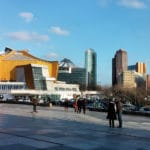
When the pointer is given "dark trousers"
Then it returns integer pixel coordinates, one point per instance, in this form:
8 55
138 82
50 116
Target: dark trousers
111 123
119 114
84 109
34 108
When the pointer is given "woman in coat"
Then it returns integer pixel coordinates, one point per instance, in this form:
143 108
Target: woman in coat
111 114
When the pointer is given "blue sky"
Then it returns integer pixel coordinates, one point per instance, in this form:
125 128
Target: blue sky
57 29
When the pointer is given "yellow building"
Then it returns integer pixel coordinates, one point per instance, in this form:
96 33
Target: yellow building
141 67
15 64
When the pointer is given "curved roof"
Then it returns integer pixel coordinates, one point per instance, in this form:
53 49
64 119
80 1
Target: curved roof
11 54
66 63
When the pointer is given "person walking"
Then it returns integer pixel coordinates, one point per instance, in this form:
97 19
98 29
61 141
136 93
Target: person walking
34 102
119 112
111 114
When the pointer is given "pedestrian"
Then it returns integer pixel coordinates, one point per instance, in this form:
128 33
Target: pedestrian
75 105
34 102
79 105
119 112
111 114
66 104
84 105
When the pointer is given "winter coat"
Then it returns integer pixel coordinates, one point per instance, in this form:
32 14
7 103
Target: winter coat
111 114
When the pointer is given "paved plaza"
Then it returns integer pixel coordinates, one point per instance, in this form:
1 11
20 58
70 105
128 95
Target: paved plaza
54 129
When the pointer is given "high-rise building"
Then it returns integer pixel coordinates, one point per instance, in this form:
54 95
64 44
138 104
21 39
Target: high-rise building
148 82
119 64
90 66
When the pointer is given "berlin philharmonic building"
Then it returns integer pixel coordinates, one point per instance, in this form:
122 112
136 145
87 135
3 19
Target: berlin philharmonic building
19 67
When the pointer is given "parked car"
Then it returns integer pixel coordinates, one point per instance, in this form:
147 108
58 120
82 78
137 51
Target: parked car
98 106
144 109
128 107
90 106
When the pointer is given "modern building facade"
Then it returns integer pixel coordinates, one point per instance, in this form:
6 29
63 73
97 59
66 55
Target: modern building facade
132 68
141 67
12 59
91 69
119 64
38 75
139 70
71 74
128 80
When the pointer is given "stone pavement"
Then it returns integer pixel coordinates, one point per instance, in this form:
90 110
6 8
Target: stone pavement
54 129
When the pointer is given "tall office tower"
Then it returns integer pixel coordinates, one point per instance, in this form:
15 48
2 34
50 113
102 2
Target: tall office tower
90 66
141 67
119 64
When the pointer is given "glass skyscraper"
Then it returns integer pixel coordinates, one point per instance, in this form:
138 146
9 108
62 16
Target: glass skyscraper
90 66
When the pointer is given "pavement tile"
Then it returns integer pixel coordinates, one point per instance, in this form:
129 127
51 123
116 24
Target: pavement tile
60 148
17 147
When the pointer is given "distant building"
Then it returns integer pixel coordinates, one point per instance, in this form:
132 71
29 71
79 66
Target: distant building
131 79
139 73
148 81
72 74
12 59
141 67
119 64
91 69
128 80
132 68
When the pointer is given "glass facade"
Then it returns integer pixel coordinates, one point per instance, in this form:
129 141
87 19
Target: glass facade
91 65
76 76
132 67
39 80
12 86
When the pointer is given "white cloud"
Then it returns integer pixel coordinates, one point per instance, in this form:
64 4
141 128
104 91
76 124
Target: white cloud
59 30
104 3
136 4
52 55
1 52
133 3
27 36
27 16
